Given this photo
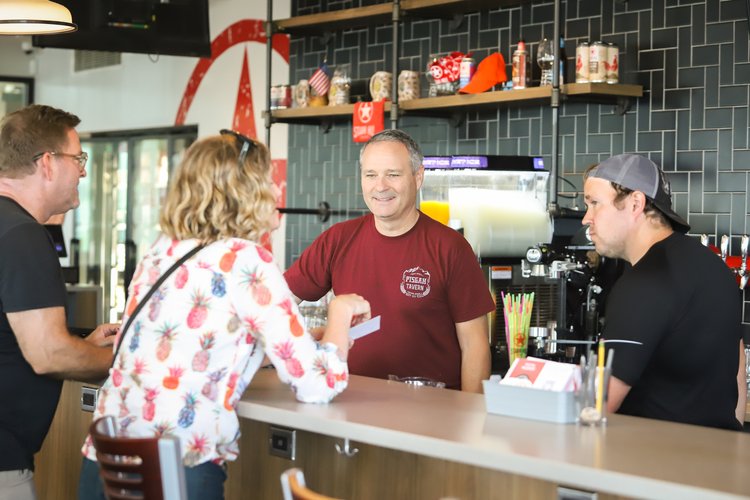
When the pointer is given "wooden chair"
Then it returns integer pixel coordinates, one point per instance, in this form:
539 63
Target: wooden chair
293 487
138 468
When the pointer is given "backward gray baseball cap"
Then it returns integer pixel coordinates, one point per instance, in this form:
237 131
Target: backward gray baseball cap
638 173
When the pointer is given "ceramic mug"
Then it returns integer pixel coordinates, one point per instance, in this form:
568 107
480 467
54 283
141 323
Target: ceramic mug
380 85
408 85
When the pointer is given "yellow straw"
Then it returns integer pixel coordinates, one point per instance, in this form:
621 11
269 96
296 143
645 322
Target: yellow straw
600 377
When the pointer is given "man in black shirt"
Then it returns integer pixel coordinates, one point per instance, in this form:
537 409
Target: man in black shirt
679 303
40 165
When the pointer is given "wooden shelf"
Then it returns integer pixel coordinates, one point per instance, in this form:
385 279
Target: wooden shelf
485 99
318 114
339 19
382 13
465 102
603 89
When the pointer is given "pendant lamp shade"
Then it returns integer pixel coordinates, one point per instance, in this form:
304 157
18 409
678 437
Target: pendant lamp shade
34 17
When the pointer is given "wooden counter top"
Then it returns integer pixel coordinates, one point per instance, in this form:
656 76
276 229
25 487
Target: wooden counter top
630 456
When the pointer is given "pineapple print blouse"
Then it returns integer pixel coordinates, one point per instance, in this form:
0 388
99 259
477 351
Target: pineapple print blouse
195 346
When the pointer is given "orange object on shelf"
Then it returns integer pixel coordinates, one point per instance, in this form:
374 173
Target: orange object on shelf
438 210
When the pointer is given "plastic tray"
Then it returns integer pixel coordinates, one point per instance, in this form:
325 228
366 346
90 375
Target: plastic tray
534 404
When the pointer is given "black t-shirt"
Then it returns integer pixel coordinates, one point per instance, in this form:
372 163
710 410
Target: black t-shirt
30 278
682 302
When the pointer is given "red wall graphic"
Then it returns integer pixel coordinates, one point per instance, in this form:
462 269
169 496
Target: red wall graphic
245 31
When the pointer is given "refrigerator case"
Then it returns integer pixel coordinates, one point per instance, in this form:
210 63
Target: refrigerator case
118 218
501 212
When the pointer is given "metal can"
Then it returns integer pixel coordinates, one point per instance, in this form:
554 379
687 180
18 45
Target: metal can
519 64
582 62
466 71
613 63
597 62
281 96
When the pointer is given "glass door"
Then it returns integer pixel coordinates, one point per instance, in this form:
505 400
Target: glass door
118 218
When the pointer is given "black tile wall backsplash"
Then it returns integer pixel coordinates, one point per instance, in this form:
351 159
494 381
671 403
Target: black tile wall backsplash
691 56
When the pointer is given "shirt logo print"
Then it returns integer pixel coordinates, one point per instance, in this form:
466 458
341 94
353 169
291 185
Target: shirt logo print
415 283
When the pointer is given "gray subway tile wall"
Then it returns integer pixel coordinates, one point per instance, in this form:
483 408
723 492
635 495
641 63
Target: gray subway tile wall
692 57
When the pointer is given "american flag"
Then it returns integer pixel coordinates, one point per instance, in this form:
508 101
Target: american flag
320 81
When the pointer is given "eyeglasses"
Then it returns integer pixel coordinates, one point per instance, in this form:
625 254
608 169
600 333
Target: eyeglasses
244 142
81 159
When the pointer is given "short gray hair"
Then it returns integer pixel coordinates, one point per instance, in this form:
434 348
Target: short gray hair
395 135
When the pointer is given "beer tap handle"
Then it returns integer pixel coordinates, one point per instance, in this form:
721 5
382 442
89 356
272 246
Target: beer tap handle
704 240
743 251
743 281
724 247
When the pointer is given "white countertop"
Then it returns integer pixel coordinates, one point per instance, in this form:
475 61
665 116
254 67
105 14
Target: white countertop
629 456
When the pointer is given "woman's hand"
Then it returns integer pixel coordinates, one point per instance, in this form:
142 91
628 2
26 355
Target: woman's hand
353 305
345 311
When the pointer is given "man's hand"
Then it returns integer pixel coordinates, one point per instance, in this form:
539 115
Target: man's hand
104 335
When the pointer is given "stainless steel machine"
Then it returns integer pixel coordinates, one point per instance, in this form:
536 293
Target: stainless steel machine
570 282
500 203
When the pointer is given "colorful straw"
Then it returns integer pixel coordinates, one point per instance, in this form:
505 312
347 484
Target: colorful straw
517 311
600 378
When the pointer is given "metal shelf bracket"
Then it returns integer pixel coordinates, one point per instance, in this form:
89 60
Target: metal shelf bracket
456 21
325 126
457 119
623 105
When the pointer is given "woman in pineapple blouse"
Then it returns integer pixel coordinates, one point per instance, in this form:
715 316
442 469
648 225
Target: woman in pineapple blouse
194 347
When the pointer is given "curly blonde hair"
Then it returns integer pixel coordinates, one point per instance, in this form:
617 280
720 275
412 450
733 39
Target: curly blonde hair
212 196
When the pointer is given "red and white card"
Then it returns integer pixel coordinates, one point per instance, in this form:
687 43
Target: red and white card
543 374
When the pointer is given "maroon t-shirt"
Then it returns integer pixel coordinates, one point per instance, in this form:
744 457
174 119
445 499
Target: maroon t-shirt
422 283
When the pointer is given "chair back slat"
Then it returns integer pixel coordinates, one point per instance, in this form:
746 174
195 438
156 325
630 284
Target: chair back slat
147 468
293 487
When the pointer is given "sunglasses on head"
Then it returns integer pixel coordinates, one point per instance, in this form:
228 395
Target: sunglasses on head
245 143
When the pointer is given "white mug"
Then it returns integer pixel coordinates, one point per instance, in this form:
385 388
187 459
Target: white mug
380 85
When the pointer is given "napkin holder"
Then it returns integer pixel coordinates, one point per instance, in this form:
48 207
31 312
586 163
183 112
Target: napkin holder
535 404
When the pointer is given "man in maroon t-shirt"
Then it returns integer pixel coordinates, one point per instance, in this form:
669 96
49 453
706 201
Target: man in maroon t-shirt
419 275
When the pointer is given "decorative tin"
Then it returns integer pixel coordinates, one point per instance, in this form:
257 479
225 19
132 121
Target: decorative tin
613 63
598 54
467 69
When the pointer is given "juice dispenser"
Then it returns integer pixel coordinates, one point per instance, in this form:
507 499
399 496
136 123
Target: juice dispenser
500 202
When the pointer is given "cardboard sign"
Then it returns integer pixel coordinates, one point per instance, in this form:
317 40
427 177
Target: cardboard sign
368 120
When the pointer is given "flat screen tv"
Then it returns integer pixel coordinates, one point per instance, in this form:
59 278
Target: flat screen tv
174 27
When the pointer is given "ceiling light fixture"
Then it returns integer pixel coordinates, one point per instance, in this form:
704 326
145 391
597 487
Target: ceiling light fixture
34 17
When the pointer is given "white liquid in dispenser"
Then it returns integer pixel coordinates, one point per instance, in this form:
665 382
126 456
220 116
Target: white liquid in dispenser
500 223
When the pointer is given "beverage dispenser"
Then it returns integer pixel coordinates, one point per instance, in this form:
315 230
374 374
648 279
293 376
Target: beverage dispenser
499 202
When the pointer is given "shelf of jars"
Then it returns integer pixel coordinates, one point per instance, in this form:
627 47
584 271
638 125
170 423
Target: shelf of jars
452 103
369 15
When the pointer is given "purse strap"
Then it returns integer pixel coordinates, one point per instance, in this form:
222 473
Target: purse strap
151 292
